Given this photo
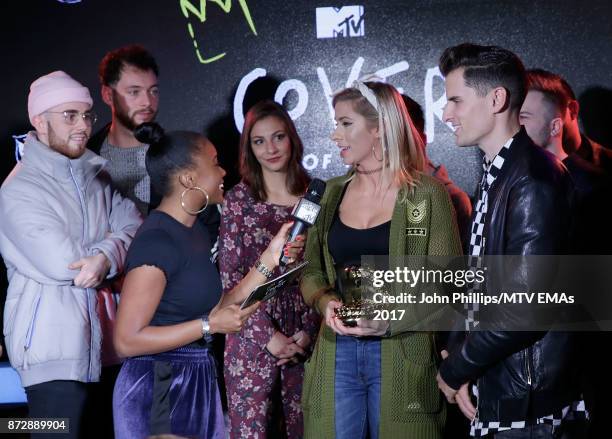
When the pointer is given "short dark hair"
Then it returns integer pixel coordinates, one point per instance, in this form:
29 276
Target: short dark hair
113 63
486 67
555 89
250 169
168 153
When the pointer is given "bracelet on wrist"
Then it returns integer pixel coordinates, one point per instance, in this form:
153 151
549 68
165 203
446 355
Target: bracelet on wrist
261 267
206 334
267 351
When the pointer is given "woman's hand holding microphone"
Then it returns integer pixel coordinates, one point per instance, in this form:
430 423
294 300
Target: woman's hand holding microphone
230 318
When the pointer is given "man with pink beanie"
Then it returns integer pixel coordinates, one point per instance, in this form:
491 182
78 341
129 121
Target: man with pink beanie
63 231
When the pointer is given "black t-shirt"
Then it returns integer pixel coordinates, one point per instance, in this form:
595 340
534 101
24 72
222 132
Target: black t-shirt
193 285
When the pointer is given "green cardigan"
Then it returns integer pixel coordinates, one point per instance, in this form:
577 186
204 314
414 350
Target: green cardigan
411 405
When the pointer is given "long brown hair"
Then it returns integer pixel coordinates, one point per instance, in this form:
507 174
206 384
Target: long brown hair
250 169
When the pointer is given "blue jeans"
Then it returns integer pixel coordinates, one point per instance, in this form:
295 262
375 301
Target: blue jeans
357 387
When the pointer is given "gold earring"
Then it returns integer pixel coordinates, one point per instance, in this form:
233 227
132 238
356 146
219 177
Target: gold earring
374 154
194 188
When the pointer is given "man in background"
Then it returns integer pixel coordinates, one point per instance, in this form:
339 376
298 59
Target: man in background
554 95
545 112
128 77
129 86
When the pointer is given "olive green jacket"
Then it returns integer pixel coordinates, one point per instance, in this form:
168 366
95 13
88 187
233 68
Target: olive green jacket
411 405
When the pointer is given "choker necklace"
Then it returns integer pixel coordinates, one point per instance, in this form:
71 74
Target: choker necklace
373 171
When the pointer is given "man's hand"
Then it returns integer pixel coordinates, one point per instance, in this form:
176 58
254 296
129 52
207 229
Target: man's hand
460 397
465 402
448 391
93 270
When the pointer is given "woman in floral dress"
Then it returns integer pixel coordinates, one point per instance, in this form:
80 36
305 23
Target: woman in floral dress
264 361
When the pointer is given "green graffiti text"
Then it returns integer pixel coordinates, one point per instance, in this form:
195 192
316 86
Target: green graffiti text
188 8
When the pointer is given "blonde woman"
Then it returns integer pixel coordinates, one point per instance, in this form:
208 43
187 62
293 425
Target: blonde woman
369 379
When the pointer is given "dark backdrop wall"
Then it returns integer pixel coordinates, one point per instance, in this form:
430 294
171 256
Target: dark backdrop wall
216 60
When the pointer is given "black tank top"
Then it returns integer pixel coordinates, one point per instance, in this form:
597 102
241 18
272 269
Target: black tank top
347 244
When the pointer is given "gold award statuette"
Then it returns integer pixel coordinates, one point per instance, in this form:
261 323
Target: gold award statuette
351 288
358 309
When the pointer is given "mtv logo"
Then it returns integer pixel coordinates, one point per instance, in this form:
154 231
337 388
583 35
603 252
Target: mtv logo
346 21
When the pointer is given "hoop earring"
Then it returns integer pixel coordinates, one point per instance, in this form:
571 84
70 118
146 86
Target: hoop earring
374 154
194 188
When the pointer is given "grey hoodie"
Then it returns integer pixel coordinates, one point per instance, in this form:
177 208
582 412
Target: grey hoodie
54 211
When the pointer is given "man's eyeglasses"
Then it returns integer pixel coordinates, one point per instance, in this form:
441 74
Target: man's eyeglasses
71 117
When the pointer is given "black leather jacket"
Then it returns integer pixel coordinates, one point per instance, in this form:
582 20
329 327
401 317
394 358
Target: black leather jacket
522 375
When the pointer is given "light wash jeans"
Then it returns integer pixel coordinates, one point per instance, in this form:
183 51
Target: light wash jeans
357 387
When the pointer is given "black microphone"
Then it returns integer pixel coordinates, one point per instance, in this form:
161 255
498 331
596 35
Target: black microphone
305 212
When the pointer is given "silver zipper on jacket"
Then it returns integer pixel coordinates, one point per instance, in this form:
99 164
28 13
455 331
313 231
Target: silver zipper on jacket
29 334
477 400
527 368
84 235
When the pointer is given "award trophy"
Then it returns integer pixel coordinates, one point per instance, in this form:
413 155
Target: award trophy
352 282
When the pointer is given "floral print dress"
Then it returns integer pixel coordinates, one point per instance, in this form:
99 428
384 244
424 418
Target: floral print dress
251 376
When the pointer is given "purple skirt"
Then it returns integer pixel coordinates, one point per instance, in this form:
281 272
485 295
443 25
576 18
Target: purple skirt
173 392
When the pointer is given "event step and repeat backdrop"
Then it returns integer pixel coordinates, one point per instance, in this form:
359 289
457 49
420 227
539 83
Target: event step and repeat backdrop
219 56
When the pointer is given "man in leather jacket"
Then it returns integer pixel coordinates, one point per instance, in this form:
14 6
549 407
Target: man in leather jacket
524 377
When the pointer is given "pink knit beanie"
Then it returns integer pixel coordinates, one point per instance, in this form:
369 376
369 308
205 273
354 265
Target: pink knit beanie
54 89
